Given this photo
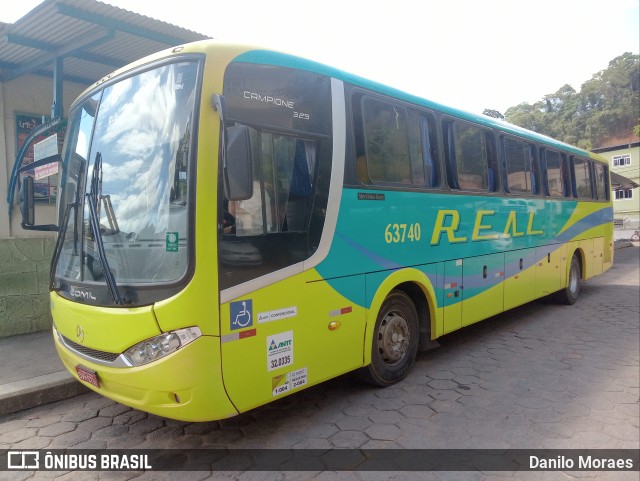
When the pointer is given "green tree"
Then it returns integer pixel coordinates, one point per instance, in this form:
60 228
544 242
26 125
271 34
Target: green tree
493 113
529 116
608 104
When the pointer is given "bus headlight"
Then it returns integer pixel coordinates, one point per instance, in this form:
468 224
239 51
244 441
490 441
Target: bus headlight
160 346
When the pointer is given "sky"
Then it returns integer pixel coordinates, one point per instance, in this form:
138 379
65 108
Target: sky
470 54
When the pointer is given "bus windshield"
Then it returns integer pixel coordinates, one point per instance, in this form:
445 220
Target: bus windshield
126 166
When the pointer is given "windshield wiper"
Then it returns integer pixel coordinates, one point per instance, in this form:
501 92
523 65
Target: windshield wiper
93 198
59 242
64 226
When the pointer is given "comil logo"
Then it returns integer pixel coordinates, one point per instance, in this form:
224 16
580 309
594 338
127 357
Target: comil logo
23 460
79 293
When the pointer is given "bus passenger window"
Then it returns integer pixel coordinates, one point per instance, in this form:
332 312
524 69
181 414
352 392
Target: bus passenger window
569 181
450 156
602 190
554 174
492 163
386 136
536 176
468 150
429 151
518 161
582 176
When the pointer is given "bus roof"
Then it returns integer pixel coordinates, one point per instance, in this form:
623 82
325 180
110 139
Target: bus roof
259 55
272 57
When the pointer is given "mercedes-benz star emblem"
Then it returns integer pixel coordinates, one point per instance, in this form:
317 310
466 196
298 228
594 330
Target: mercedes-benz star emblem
80 333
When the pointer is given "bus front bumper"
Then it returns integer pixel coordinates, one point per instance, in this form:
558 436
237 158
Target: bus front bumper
186 385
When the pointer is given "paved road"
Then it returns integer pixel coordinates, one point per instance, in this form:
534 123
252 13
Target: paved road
540 376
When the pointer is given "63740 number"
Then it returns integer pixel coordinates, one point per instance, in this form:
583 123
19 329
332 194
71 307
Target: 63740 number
399 233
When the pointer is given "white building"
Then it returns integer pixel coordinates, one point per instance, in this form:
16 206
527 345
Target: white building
623 152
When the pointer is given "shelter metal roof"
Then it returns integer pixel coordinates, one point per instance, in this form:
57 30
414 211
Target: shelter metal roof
621 182
91 37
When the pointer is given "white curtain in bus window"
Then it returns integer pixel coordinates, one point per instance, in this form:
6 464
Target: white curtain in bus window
254 216
583 178
518 161
283 174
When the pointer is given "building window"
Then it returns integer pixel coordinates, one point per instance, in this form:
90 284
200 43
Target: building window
620 160
624 194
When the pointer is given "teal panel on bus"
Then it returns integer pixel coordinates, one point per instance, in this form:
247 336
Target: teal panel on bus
383 231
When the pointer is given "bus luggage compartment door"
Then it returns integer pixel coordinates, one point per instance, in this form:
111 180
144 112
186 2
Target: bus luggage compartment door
483 287
452 303
520 277
550 265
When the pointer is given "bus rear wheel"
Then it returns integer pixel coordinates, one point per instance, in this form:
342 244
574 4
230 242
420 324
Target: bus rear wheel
395 341
569 295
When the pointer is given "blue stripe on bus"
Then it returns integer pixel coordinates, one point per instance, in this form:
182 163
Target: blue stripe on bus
375 258
594 219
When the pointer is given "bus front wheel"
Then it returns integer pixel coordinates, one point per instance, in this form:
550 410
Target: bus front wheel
395 341
569 295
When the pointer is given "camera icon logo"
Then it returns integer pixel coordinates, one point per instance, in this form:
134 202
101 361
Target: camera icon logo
23 460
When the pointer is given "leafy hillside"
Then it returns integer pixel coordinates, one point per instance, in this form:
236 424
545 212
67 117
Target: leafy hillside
607 105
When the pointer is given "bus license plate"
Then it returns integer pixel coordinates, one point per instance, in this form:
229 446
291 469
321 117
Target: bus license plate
87 375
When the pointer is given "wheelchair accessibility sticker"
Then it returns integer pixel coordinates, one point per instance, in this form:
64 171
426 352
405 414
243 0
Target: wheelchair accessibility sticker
241 314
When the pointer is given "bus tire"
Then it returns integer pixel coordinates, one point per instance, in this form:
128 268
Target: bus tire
569 295
395 341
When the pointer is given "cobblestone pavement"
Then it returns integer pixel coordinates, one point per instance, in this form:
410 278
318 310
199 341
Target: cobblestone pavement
539 376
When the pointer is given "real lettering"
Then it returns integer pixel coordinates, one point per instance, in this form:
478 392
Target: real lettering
487 226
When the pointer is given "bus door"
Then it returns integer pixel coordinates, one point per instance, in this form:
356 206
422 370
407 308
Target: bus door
287 336
483 287
283 327
452 303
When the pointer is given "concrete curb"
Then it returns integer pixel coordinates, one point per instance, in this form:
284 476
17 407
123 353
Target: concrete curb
20 395
619 244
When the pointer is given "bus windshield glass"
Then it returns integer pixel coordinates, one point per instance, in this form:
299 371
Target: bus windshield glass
128 151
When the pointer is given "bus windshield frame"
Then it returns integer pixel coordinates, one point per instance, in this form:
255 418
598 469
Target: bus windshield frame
126 204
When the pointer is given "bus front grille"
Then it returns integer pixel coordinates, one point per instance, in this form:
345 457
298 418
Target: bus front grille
92 353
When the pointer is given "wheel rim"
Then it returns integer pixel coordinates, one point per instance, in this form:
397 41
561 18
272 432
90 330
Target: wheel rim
573 279
393 338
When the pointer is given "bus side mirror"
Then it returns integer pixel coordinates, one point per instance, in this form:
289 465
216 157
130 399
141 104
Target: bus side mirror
238 162
27 202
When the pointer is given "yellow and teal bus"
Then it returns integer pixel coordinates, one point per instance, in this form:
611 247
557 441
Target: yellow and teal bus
238 224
